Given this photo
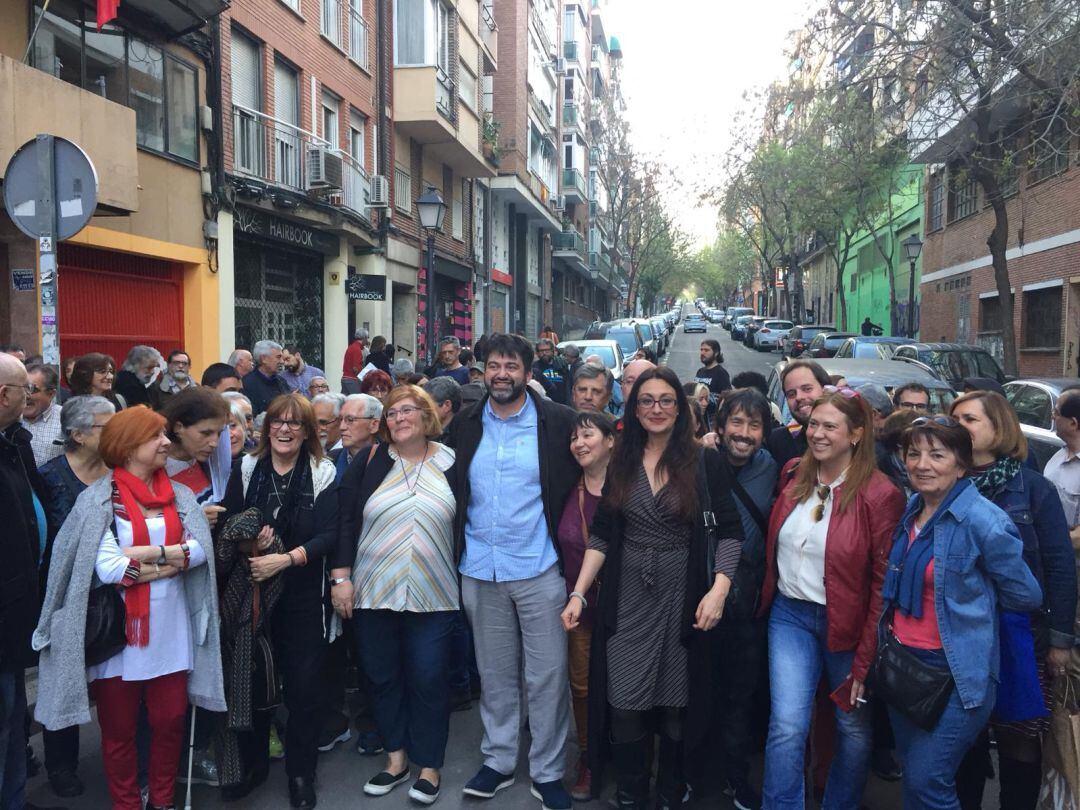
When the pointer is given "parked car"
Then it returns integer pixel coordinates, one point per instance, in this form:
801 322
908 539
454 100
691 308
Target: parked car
733 313
769 335
738 328
1034 401
648 337
628 338
825 344
870 348
661 329
883 372
694 323
798 338
607 350
953 361
751 327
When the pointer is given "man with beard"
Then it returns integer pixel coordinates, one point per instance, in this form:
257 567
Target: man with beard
802 382
712 374
513 473
135 380
296 373
327 409
177 377
551 371
741 636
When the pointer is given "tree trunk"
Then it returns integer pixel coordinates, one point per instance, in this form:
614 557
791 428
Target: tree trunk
842 326
998 243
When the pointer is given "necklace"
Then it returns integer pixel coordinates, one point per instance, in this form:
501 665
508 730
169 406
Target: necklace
419 469
273 482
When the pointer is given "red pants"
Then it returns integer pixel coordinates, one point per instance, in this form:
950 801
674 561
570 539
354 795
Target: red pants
118 712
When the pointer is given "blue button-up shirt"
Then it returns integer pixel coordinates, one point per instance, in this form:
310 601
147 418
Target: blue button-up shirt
506 535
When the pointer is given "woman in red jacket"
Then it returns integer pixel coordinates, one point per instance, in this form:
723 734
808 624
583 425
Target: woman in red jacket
826 553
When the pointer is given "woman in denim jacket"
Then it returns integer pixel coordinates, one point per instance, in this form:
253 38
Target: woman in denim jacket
956 558
998 451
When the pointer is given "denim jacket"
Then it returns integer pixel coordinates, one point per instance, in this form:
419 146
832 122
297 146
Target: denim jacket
1034 506
978 569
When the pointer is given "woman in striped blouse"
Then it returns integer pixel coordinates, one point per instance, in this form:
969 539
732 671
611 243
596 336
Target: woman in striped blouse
395 564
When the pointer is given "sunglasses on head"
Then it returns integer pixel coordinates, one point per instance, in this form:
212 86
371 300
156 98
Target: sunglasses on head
944 421
845 392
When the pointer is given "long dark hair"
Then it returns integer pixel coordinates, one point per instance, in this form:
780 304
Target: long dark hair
679 460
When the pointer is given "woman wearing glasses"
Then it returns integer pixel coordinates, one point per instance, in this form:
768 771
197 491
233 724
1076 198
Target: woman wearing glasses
650 660
394 563
955 559
289 484
829 534
1000 475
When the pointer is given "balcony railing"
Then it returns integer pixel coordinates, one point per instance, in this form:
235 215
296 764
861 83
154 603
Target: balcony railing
573 183
568 242
570 51
342 23
444 93
358 38
274 151
489 31
570 115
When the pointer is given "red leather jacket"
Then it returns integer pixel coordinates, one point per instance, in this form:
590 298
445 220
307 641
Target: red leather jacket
856 555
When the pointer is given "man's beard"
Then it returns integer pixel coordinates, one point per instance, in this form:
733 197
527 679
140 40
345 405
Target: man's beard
503 396
180 376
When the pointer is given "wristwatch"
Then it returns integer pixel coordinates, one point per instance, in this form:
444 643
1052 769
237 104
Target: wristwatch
161 557
338 580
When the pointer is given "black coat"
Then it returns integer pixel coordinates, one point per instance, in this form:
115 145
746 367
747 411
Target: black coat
559 472
358 484
609 524
134 392
20 588
783 446
261 391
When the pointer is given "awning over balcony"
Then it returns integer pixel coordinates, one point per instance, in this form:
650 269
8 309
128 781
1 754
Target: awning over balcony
175 16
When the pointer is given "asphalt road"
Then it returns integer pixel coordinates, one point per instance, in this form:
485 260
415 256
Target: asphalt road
343 772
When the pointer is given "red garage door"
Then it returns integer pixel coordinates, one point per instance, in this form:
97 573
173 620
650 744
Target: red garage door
111 301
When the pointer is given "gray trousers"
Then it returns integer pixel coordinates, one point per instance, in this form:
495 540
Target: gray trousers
512 622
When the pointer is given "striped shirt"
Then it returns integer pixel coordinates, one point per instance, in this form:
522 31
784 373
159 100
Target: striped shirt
405 555
46 438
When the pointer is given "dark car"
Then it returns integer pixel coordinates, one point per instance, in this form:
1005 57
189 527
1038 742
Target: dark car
825 344
953 362
876 347
798 339
1034 401
738 328
628 338
752 326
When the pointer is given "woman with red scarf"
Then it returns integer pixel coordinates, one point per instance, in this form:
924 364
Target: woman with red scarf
142 533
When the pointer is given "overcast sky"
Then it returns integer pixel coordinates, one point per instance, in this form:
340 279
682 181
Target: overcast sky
686 66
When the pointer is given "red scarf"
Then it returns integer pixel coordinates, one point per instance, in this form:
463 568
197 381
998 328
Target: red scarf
134 494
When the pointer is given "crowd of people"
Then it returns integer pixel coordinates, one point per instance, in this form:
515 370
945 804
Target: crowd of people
662 567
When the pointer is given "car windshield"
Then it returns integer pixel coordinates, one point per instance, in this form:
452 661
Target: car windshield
956 365
605 353
833 342
626 339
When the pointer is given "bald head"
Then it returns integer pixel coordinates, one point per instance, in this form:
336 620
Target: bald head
13 381
631 371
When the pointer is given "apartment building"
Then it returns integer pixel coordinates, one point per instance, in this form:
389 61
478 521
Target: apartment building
134 96
958 292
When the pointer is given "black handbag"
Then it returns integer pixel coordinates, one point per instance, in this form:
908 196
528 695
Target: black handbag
106 624
265 685
914 688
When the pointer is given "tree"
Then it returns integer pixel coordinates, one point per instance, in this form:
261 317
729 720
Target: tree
984 75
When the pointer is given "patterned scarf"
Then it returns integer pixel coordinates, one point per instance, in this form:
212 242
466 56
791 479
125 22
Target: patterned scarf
989 481
132 494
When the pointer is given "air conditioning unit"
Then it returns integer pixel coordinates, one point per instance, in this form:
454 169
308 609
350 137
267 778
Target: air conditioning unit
558 202
380 191
324 169
560 65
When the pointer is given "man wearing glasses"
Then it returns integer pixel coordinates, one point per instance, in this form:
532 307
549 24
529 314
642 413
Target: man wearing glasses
913 396
177 376
21 544
41 416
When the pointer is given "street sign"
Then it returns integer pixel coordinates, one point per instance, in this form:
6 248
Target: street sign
50 193
23 280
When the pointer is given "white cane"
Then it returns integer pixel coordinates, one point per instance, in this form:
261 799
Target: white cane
190 757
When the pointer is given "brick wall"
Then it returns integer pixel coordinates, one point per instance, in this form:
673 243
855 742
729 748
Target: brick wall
510 101
1038 212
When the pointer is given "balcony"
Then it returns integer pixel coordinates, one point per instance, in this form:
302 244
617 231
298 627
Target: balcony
569 247
570 51
573 186
426 110
274 152
341 22
601 268
597 23
489 37
596 117
32 101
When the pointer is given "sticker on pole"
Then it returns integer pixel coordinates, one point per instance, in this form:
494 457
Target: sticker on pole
50 181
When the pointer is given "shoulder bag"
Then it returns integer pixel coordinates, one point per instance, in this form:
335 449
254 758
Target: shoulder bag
914 688
106 622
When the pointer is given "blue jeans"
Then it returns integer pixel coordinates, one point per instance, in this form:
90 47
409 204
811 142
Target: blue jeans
405 656
12 740
797 656
931 758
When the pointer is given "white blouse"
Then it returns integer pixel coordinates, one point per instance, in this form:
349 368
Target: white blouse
800 548
170 648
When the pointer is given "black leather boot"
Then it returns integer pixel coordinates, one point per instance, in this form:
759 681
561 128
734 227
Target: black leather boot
670 782
631 778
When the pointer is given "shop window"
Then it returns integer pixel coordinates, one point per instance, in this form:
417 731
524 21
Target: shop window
1042 318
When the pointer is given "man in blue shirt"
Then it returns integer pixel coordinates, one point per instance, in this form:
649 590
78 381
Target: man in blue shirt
513 473
297 373
449 364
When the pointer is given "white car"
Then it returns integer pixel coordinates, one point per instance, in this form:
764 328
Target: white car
770 334
607 350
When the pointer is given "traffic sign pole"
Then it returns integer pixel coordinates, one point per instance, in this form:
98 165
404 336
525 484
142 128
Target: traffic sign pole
46 227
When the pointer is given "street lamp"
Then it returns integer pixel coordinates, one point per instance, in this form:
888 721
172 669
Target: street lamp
430 210
912 248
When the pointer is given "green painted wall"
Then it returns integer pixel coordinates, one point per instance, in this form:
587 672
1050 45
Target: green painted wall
866 282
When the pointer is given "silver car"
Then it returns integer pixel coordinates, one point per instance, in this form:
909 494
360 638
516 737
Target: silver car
1034 401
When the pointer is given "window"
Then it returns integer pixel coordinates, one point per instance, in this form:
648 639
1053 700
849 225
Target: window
356 138
467 88
936 201
444 38
1042 318
358 34
330 20
1049 151
990 314
457 213
159 87
402 190
330 120
1033 405
963 194
414 32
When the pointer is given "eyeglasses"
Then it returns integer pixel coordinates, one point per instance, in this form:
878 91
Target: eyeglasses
915 406
846 393
823 492
29 388
405 411
647 403
944 421
291 424
352 420
328 422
